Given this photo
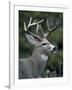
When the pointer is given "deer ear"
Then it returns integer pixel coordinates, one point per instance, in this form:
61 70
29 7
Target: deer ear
32 40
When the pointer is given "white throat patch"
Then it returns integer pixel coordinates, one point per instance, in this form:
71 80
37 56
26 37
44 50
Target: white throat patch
44 57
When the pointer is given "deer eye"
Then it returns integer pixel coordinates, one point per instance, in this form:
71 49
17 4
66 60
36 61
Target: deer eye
43 43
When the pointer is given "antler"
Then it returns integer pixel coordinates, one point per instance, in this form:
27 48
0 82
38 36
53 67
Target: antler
32 24
38 27
49 29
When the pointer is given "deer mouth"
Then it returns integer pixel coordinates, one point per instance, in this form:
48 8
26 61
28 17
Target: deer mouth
54 50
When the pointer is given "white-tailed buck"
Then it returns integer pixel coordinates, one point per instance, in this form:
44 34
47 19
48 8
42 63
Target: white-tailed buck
33 66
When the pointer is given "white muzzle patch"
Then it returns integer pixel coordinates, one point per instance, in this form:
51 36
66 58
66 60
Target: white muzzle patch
44 57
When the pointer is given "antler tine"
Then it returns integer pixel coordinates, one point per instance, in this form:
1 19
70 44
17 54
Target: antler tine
42 32
25 28
50 30
30 21
48 26
39 27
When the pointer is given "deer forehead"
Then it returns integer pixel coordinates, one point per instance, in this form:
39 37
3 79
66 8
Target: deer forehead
45 40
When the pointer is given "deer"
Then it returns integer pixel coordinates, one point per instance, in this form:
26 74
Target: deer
33 66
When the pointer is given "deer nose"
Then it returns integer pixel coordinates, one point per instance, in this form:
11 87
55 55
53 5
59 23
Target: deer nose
54 49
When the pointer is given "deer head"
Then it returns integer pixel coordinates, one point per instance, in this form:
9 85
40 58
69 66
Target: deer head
40 41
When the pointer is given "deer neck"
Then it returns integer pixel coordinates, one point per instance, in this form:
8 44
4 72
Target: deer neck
39 55
38 62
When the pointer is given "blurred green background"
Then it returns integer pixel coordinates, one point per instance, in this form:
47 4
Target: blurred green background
54 66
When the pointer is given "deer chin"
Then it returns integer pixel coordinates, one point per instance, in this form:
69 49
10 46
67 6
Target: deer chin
52 51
